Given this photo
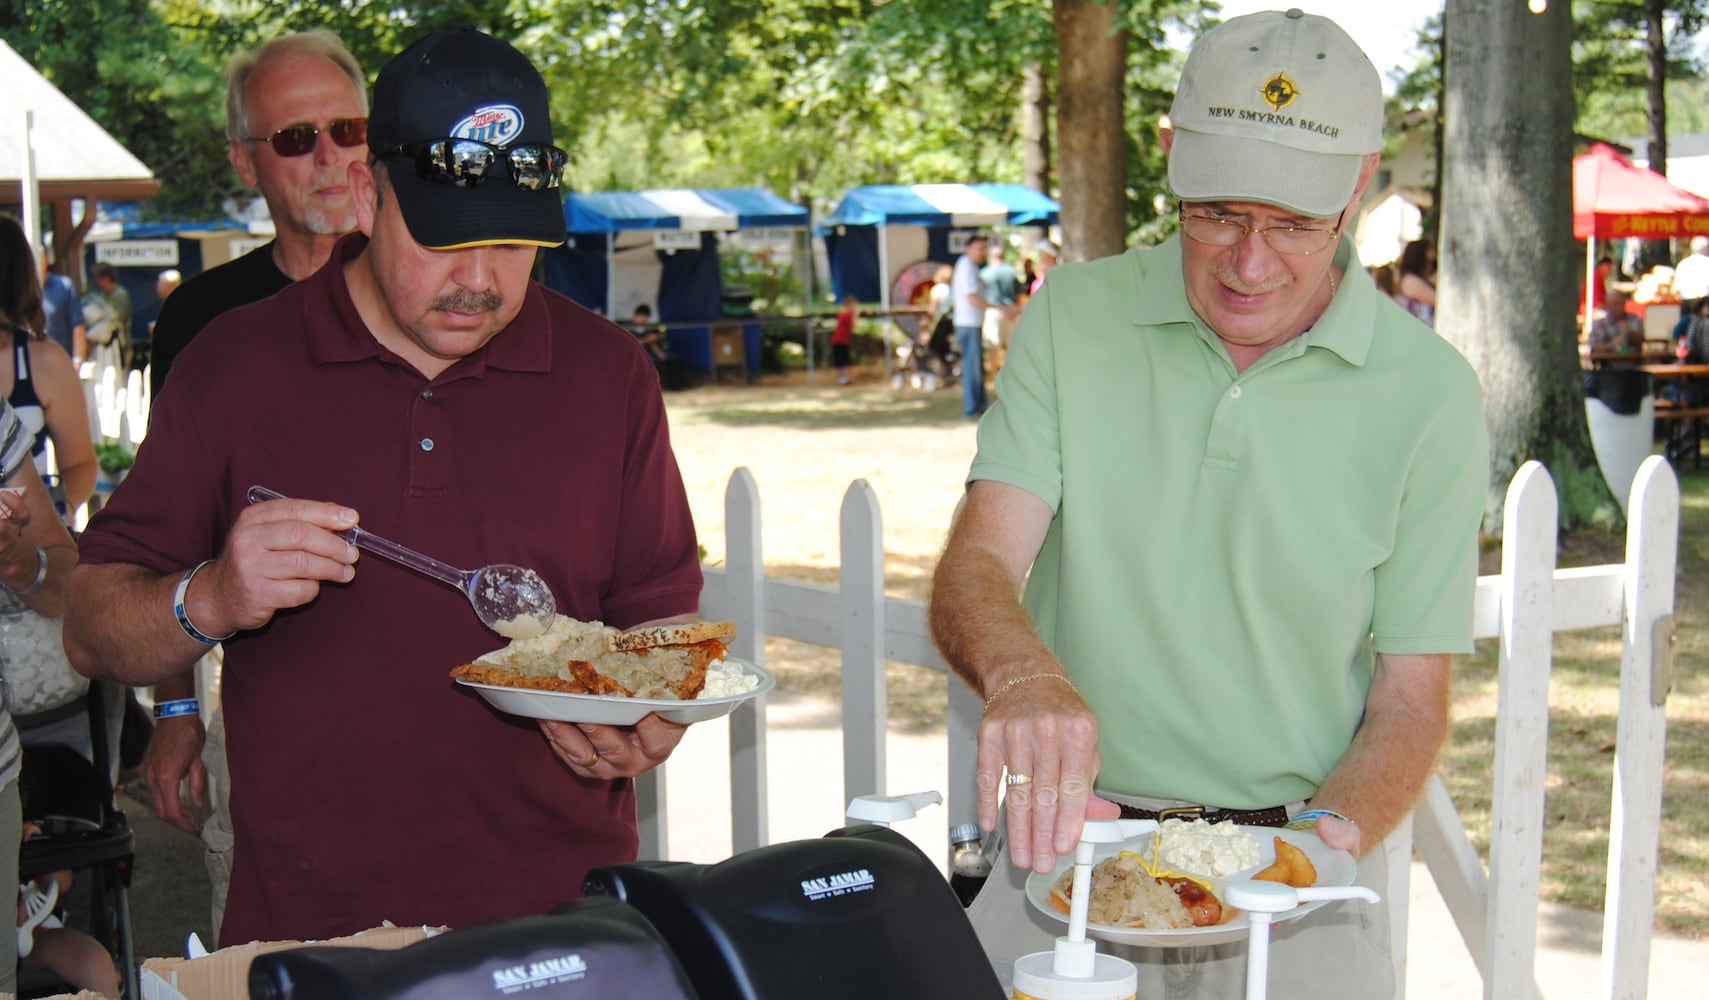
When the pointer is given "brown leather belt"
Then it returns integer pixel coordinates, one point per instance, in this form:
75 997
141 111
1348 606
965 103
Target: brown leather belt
1273 816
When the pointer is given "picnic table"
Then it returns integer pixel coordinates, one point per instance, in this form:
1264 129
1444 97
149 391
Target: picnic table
1679 412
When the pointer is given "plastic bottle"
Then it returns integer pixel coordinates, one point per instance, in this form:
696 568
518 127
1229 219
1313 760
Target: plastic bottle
969 865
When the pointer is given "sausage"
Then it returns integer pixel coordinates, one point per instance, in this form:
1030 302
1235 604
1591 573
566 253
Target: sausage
1205 908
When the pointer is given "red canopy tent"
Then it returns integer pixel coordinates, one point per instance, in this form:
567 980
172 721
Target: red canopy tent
1612 199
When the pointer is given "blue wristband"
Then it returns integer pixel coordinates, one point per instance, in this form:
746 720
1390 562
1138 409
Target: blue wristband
1307 820
182 706
183 616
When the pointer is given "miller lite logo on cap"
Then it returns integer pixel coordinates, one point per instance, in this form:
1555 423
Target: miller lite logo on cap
495 125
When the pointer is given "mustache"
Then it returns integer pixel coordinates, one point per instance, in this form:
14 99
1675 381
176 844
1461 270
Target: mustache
465 301
1233 281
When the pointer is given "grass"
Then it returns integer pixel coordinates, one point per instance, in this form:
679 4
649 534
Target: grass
805 443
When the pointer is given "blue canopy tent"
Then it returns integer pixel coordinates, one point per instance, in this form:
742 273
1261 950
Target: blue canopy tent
877 228
660 248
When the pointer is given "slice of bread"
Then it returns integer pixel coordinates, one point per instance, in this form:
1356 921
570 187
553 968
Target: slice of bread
672 635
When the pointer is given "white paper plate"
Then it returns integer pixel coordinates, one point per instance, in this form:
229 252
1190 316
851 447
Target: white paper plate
611 710
1333 868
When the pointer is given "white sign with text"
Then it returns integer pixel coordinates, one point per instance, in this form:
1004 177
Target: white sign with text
138 253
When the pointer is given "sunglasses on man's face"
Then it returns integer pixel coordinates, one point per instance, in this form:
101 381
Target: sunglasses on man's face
299 140
467 162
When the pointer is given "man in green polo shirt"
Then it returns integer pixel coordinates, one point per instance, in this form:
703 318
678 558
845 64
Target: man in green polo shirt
1241 490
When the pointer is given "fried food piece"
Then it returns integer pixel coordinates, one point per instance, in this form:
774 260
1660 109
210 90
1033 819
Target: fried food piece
1292 867
591 681
482 673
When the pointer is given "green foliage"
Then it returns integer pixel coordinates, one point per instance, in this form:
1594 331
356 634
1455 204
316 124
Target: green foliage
806 97
113 457
151 71
132 72
776 286
1609 69
1610 66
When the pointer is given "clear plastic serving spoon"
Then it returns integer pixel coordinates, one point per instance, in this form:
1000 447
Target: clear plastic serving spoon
511 600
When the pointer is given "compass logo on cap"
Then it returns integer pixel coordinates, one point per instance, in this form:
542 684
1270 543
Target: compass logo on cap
1279 91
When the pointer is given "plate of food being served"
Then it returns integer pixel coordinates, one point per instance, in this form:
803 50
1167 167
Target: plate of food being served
1165 890
590 672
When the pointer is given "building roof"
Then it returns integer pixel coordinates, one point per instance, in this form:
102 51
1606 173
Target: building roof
1684 145
75 157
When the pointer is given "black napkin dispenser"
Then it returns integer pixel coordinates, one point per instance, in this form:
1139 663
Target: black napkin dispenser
596 948
861 913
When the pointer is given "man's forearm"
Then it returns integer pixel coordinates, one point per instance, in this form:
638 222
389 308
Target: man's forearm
119 625
979 624
976 615
1380 777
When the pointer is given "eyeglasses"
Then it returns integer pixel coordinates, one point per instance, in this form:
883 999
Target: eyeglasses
467 162
1292 240
298 140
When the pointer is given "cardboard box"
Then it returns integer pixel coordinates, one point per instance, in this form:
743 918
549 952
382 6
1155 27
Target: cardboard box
224 974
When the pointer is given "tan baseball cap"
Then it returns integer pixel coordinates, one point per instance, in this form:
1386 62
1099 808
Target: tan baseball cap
1275 107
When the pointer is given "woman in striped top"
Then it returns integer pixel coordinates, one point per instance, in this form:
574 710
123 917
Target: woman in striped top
37 376
36 556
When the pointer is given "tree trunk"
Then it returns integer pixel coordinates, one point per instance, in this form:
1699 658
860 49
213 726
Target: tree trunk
1655 36
1507 262
1035 129
1092 65
1433 213
1035 141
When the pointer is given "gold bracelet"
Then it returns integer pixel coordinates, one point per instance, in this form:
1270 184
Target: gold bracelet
1015 681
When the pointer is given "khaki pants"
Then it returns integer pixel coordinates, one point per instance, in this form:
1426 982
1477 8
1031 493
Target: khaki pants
1340 950
216 830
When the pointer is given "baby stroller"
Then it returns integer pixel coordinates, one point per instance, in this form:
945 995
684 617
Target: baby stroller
68 792
930 360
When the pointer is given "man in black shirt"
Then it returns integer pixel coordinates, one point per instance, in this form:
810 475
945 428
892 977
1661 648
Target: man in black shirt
296 118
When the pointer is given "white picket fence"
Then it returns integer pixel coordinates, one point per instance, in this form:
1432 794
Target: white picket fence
1523 606
118 402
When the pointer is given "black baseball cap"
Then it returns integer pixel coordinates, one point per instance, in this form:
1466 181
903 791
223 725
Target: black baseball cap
464 84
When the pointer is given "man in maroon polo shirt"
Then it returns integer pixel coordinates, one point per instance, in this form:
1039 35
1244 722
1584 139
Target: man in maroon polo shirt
422 383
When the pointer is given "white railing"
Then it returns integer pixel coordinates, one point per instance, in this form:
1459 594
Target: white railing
1523 606
117 401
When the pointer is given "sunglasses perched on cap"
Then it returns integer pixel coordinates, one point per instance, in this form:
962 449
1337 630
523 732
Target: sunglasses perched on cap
468 162
298 140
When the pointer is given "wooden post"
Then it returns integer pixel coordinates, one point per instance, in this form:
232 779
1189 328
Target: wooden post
744 590
861 611
1652 543
1521 733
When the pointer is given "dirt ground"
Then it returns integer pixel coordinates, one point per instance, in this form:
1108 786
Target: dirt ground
805 444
